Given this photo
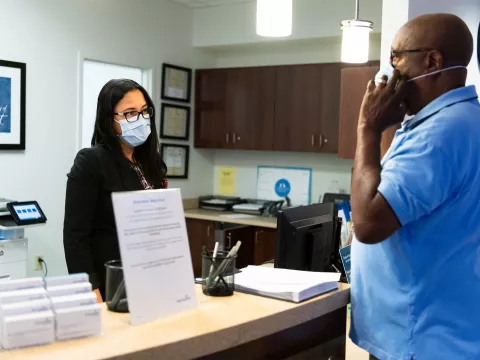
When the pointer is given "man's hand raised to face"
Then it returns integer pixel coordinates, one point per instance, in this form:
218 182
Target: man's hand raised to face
383 105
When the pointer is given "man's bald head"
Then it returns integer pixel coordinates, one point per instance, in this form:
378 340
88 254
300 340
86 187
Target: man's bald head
429 44
446 33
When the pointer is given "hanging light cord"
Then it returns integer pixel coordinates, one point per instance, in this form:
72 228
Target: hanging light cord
357 9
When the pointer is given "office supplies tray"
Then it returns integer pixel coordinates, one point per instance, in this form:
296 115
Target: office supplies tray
218 203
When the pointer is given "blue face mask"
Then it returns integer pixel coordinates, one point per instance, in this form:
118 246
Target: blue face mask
136 133
388 72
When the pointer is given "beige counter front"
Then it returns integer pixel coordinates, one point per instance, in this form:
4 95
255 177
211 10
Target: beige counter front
217 325
226 217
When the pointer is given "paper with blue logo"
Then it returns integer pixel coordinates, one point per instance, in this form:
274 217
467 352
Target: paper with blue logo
155 253
346 260
5 105
276 183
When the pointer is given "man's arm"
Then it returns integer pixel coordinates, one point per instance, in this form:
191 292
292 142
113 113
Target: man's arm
374 219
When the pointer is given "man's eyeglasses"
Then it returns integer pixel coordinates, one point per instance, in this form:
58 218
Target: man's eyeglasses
396 53
132 116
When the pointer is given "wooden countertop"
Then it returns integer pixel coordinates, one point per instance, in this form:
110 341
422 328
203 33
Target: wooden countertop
224 216
216 325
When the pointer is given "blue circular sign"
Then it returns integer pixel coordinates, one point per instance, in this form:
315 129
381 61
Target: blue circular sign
282 188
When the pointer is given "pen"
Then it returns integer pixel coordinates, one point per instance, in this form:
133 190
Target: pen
215 252
119 293
233 252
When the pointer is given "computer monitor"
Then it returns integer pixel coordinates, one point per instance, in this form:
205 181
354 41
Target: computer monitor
308 238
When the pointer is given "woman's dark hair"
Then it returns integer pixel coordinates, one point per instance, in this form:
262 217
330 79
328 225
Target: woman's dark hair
146 155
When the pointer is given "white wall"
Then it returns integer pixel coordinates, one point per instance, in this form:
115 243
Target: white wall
235 24
326 168
395 14
324 50
47 35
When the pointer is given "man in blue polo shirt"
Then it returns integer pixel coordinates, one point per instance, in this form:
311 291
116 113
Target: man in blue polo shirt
416 214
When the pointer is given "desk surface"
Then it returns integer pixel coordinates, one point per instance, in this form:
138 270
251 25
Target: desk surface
224 216
216 325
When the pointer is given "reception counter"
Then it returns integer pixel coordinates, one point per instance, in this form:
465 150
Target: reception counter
238 327
232 218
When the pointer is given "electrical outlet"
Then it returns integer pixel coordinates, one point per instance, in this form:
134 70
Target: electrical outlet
38 264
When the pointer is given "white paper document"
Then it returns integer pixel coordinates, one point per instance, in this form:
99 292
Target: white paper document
155 253
283 284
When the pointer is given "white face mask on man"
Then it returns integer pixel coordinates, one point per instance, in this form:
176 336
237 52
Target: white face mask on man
388 72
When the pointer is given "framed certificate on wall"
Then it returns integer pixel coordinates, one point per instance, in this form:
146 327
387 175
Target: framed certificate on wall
176 158
176 83
175 122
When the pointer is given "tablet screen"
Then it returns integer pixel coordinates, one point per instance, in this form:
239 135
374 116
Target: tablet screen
27 211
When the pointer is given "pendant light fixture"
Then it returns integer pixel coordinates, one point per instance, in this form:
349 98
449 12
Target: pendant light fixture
274 18
356 38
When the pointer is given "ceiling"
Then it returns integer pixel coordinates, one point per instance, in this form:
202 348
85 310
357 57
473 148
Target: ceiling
205 3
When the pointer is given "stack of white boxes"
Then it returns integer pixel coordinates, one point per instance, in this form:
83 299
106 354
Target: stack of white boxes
34 312
26 314
77 313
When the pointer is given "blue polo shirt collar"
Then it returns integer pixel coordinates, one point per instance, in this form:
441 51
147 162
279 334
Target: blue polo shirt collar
452 97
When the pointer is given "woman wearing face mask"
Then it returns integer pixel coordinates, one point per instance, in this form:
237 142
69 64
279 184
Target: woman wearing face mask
124 156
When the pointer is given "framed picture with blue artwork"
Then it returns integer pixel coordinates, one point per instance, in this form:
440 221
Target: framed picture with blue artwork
12 105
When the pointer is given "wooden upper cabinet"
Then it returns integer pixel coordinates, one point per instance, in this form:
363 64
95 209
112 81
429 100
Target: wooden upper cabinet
235 108
307 105
210 121
250 108
353 86
305 108
297 107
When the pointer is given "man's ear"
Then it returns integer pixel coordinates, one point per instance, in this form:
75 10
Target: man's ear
434 60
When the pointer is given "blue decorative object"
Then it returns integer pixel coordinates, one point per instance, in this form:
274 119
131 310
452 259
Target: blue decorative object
282 188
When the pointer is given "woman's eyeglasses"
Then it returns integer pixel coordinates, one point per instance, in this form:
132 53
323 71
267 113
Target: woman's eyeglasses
132 116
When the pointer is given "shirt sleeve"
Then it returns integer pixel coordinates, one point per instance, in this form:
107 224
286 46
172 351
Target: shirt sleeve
416 179
81 199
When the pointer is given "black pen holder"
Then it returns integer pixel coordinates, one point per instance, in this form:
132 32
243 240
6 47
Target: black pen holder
115 294
218 274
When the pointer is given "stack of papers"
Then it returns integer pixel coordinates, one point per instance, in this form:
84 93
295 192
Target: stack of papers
248 207
289 285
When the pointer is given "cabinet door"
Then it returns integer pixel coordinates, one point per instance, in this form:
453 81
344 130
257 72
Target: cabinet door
353 86
200 233
265 245
245 235
327 140
297 107
210 122
250 107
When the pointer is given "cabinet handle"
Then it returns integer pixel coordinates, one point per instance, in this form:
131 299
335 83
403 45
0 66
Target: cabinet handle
229 237
313 140
228 138
320 140
234 138
257 233
208 231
